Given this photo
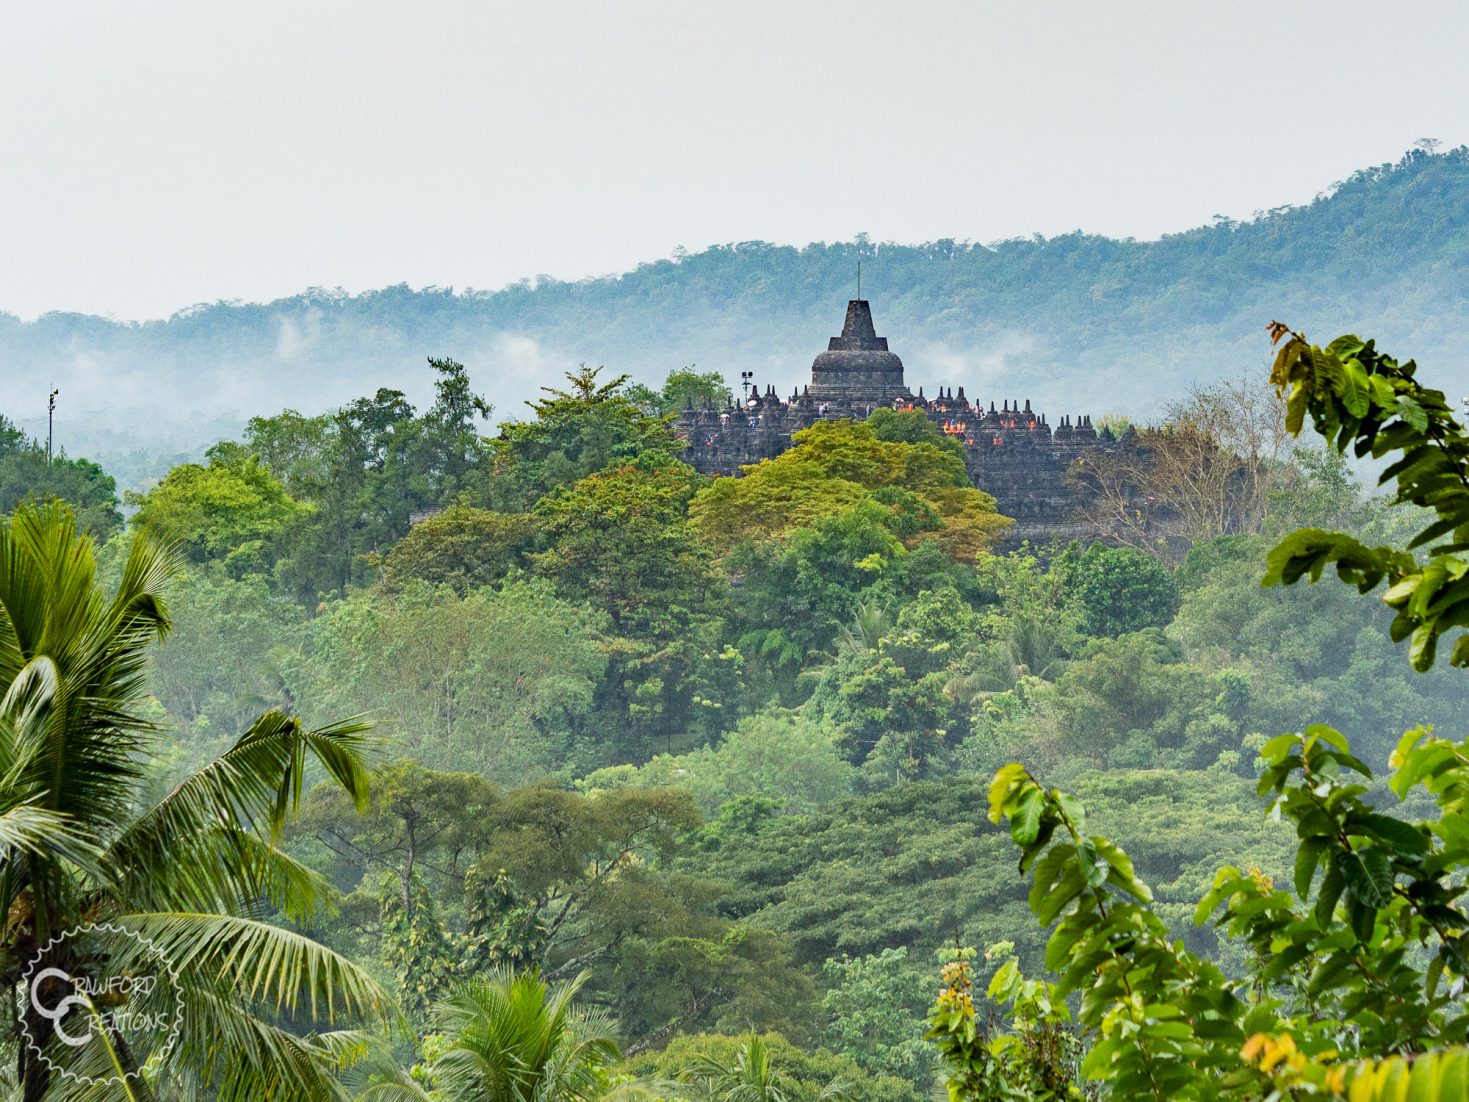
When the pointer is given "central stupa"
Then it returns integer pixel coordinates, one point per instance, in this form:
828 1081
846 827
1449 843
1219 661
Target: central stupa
857 369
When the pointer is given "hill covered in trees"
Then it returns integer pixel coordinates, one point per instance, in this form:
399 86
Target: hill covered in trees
724 786
1076 322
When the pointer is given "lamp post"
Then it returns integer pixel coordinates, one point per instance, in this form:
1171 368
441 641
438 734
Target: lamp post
50 420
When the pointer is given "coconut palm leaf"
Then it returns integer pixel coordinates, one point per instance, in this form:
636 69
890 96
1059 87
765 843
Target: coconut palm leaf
191 874
248 790
232 1057
224 869
513 1038
257 963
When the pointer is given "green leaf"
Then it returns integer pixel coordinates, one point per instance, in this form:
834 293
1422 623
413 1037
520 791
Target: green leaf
1025 817
1307 858
1330 891
1295 410
1277 748
1402 837
1094 867
1353 389
1412 412
1007 779
1002 980
1363 919
1067 888
1046 870
1368 876
1328 735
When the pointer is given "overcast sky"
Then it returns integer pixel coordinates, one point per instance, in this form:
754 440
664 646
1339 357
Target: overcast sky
154 155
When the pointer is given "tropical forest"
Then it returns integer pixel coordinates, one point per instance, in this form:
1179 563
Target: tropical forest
448 765
640 551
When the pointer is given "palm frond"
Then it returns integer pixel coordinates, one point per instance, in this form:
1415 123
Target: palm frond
231 1056
264 965
252 787
33 829
513 1036
229 871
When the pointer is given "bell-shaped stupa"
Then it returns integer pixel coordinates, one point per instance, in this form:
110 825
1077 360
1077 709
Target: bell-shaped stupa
857 369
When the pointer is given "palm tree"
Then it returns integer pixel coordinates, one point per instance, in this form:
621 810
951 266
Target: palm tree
513 1038
194 875
750 1076
870 622
1029 647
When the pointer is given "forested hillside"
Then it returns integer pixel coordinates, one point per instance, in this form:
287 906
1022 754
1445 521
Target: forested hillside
713 755
1075 322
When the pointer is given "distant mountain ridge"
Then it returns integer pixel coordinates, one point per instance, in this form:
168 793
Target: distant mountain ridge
1075 323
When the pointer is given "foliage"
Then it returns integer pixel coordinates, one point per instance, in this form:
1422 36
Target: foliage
367 470
1369 965
1335 979
747 771
231 644
195 872
415 945
835 465
26 474
874 1003
780 756
1035 1059
233 512
1121 589
462 547
1315 652
682 388
619 539
751 1076
589 426
514 1037
498 678
501 927
801 1073
1361 398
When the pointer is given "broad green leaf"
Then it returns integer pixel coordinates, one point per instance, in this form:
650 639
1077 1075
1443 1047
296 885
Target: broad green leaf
1368 876
1025 816
1402 837
1307 857
1330 891
1353 390
1412 412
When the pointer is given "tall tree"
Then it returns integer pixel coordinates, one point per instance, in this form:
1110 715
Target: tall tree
232 512
590 425
193 874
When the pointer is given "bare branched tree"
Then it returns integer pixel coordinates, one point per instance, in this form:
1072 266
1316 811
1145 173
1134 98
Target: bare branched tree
1207 470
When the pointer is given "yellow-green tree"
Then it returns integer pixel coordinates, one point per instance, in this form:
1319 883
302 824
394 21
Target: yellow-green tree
834 465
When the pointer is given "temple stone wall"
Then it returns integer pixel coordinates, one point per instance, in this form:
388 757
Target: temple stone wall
1013 452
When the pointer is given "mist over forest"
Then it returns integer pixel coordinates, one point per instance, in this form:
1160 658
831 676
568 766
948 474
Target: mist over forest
1076 322
442 754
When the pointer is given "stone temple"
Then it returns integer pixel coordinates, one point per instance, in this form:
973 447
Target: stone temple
1013 452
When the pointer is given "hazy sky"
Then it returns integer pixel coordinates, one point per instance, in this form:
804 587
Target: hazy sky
154 155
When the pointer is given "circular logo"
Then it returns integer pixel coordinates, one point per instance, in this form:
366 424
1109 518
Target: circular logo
95 993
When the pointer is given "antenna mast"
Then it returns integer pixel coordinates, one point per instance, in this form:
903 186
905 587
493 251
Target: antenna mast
50 420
